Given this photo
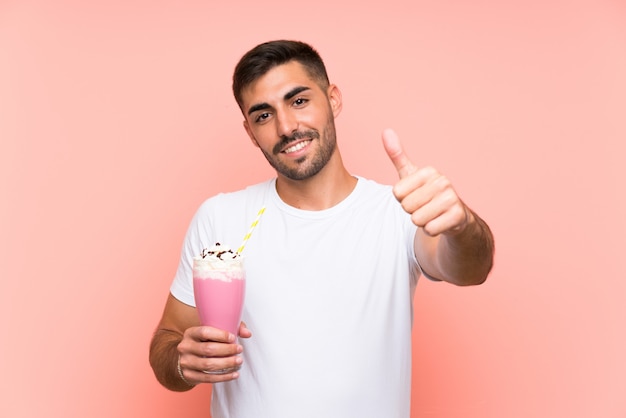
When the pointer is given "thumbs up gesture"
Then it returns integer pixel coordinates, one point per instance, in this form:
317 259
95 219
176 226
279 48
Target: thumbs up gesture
425 194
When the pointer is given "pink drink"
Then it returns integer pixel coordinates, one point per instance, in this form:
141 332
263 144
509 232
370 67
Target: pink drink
219 289
220 302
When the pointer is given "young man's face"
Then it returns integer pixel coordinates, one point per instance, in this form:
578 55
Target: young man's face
291 119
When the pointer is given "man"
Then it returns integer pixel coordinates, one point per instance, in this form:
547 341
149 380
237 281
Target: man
331 268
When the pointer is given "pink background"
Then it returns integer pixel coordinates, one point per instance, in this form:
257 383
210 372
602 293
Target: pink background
116 121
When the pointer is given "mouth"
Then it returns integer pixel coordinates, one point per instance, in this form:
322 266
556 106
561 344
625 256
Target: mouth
296 147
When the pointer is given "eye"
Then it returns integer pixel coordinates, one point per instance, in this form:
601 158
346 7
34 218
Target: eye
262 117
300 101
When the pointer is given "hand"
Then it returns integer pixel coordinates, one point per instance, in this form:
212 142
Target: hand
210 355
425 194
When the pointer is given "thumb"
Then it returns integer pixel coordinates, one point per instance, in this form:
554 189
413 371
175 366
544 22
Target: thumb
394 150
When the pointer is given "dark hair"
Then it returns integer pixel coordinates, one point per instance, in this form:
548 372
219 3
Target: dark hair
262 58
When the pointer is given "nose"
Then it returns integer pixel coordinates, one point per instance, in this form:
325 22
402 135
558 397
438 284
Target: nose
286 123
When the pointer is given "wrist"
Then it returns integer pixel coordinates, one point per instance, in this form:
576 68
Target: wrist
181 375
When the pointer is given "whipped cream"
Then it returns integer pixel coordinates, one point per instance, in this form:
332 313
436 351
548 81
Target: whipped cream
218 262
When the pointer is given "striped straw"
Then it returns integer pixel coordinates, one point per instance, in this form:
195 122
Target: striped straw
254 224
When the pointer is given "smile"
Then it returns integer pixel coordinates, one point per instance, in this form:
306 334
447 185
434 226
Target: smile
297 147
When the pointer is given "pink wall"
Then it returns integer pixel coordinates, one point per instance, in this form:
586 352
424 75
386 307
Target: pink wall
116 121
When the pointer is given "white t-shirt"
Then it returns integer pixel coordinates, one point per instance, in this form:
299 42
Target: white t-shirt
328 300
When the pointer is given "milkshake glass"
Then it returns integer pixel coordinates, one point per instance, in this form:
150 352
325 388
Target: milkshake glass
219 282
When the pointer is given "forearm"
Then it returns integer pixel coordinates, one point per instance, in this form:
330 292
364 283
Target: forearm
164 360
463 258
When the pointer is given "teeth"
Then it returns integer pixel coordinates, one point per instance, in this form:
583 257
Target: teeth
297 147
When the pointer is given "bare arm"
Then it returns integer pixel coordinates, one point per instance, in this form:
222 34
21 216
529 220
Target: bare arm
464 257
452 243
179 337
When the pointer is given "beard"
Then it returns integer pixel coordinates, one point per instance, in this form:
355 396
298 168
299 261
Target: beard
309 165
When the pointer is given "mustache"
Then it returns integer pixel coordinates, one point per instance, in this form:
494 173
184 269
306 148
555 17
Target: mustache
288 139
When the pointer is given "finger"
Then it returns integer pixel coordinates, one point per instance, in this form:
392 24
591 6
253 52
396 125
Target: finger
206 333
211 373
444 214
201 377
212 358
219 377
219 366
244 332
394 150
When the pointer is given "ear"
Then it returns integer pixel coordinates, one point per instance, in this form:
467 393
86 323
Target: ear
246 126
334 97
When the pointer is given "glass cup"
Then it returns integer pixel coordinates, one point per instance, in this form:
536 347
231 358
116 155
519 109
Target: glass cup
219 290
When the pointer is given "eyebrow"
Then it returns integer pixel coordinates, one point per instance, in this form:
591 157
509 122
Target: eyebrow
290 94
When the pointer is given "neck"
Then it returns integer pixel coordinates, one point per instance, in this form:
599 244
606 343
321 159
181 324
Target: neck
322 191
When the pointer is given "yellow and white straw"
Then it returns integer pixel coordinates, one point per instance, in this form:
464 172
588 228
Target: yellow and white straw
254 224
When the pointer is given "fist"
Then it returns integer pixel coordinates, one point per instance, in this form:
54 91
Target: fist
424 193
